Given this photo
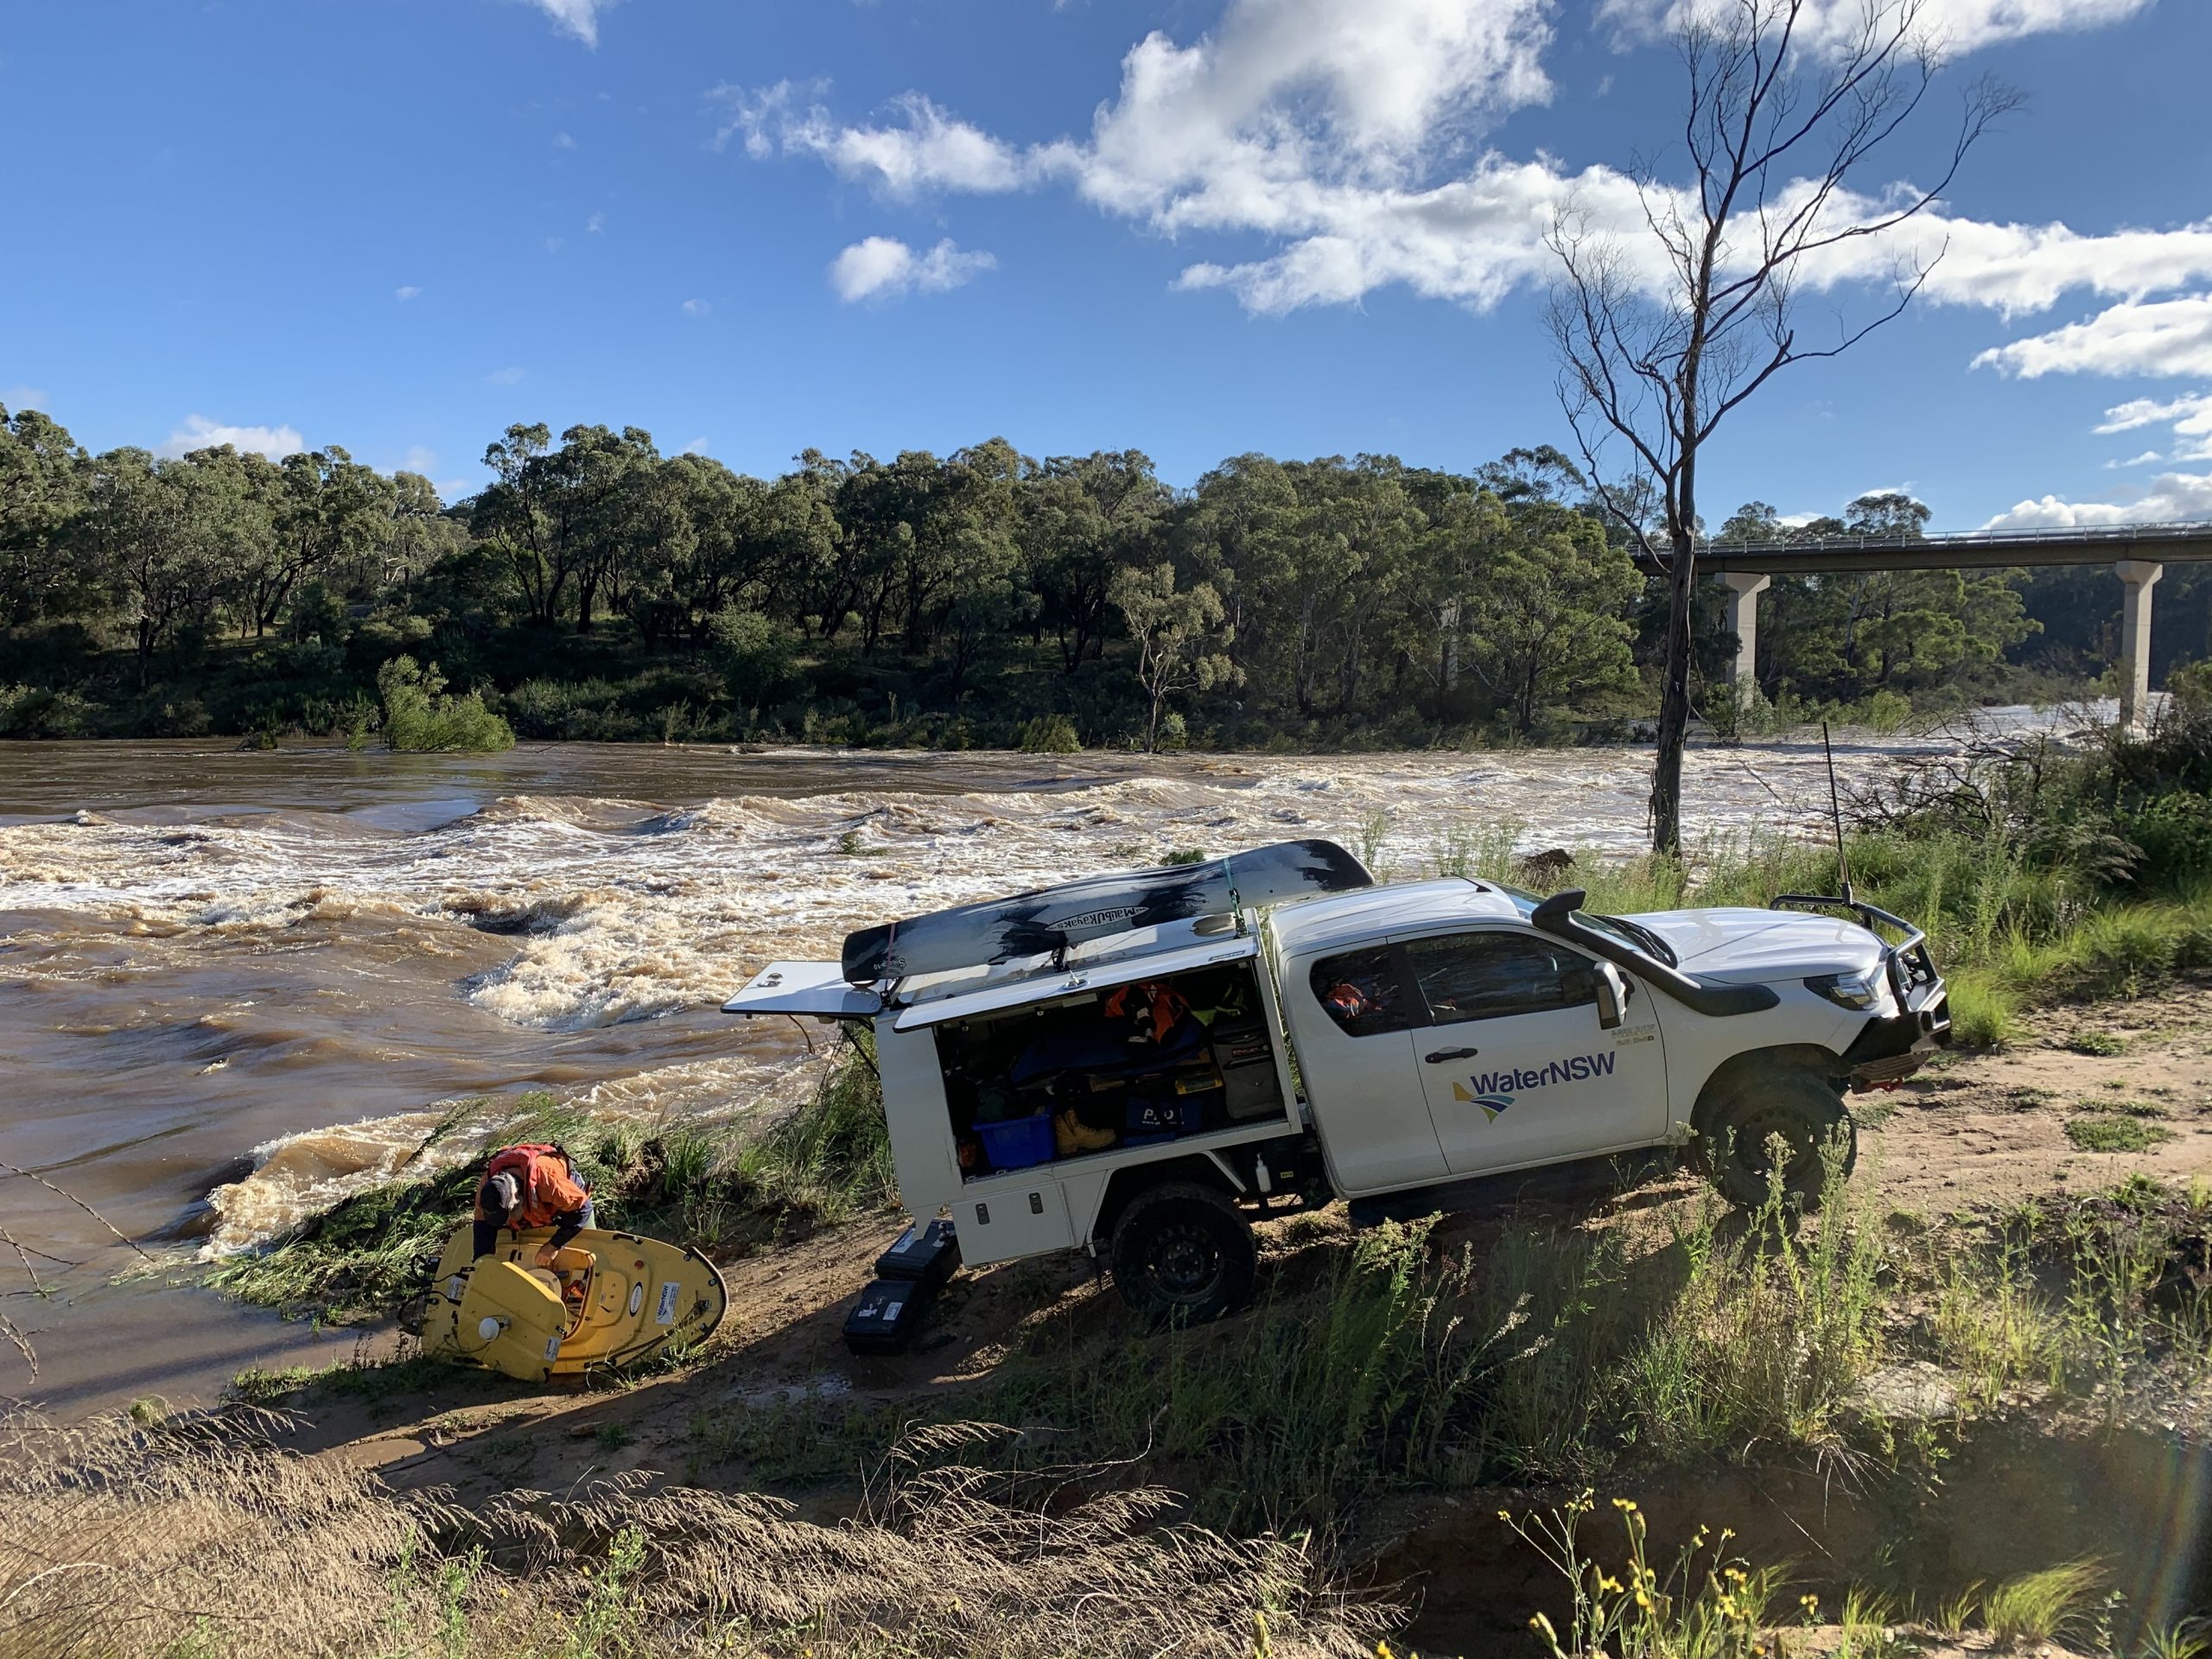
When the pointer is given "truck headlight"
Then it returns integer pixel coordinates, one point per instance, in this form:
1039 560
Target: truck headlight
1859 991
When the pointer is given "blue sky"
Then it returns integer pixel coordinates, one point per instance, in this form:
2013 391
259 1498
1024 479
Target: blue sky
1198 228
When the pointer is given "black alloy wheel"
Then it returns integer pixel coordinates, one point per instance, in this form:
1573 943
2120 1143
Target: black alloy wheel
1804 1112
1182 1255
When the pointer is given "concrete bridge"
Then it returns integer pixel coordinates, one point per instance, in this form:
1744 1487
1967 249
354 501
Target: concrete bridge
2137 554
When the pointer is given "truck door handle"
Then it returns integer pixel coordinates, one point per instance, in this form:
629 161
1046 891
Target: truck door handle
1437 1057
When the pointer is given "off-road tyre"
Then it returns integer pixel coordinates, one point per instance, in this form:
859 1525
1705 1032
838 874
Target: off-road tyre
1182 1255
1801 1107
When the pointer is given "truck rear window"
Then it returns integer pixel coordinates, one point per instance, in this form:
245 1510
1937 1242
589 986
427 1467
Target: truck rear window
1362 992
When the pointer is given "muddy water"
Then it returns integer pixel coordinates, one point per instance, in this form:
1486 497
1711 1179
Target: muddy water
234 985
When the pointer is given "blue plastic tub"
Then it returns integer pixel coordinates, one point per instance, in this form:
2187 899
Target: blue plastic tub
1019 1143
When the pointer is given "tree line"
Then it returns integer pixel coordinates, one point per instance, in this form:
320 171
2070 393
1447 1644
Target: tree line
597 588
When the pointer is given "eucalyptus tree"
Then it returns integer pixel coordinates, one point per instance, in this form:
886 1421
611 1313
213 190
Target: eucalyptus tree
1180 636
328 518
1547 614
42 474
1081 519
152 526
519 515
1664 330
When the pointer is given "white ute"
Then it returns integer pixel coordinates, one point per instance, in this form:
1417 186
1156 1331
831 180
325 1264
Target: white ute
1137 1064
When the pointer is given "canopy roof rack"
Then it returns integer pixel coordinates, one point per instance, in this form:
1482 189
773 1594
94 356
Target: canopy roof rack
1051 921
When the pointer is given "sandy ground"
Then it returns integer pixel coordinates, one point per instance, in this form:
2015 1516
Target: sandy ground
1977 1134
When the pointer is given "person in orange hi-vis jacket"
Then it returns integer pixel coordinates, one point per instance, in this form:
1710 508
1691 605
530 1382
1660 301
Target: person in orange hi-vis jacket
531 1185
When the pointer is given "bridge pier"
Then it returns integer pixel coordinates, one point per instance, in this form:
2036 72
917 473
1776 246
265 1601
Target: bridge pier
2137 577
1744 591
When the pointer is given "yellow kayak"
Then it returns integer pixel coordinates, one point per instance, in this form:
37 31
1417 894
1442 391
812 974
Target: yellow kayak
609 1298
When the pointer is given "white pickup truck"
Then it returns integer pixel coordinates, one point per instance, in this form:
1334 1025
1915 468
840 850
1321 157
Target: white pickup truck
1137 1064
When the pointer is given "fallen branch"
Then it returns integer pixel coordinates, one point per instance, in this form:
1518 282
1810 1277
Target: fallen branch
24 1256
21 1343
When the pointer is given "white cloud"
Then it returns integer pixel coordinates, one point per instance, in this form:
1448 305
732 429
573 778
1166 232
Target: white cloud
552 244
418 459
19 398
562 141
698 308
577 17
929 150
1345 133
2173 498
197 432
2189 418
882 267
1958 25
504 377
595 224
2148 457
2164 337
696 447
406 292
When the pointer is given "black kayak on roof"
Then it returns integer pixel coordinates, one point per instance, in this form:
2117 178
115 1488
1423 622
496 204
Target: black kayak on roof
1056 918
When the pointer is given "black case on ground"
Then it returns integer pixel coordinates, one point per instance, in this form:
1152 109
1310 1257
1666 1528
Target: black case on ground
888 1313
927 1255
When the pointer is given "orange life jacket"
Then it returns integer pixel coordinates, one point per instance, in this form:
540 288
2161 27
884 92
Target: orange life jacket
544 1175
1163 1003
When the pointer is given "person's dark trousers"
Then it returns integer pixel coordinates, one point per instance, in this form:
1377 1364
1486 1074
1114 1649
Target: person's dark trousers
487 1237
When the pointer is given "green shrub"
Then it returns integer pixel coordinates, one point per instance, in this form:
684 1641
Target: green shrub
420 715
1049 734
2175 834
754 654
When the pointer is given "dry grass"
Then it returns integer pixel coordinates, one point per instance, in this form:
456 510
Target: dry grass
198 1539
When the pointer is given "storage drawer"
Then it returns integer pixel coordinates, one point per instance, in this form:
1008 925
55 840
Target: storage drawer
1014 1220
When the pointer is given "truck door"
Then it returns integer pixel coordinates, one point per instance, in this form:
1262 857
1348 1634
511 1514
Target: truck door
1515 1066
1356 1055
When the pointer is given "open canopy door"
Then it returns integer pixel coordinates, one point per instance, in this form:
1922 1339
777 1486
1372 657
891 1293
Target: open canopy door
819 988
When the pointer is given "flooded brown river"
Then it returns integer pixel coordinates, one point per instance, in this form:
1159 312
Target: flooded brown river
235 985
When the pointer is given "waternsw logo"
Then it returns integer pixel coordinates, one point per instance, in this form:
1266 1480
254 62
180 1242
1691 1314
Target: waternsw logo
1494 1090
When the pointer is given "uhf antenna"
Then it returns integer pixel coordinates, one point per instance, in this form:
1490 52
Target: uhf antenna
1836 815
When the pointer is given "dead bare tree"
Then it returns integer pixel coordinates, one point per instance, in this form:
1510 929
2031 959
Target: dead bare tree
1665 329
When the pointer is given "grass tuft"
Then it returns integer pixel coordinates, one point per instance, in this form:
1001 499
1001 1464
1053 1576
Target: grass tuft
2109 1130
2040 1607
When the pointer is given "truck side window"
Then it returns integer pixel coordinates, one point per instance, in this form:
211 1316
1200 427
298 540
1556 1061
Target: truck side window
1488 975
1361 993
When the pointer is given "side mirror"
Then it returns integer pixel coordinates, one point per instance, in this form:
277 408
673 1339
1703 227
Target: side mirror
1614 990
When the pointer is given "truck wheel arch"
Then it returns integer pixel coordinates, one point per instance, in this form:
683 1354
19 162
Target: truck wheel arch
1129 1182
1824 1063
